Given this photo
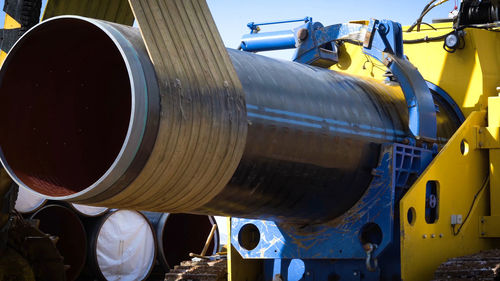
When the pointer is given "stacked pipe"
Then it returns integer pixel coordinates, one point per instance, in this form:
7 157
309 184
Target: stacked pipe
28 201
119 244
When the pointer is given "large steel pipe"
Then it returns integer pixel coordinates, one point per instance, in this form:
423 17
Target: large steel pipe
88 211
81 109
180 234
122 246
64 224
28 202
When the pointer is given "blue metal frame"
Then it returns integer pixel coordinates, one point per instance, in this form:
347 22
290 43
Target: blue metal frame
383 41
254 27
444 95
339 239
319 48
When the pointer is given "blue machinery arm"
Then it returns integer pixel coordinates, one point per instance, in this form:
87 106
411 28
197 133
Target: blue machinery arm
382 40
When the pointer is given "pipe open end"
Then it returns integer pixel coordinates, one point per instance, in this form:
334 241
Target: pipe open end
176 245
66 106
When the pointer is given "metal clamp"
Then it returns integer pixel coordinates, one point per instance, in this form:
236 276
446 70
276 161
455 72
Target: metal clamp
384 42
371 263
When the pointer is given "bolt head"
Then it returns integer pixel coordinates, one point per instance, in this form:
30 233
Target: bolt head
302 34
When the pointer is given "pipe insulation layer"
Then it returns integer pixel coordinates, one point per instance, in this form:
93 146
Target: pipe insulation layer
85 120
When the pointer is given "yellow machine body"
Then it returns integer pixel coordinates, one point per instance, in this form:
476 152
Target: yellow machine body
467 169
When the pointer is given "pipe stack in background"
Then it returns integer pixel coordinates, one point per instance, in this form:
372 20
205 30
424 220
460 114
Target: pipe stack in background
122 246
181 234
69 235
118 244
28 202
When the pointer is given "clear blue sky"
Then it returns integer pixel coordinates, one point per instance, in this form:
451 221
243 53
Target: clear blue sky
232 16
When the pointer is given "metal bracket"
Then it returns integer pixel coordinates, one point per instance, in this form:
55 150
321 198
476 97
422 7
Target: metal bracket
319 49
489 227
334 240
488 137
384 42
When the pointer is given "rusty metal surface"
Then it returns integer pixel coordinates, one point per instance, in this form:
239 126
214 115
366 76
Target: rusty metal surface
117 11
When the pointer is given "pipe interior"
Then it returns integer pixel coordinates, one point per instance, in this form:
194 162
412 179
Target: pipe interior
184 234
66 107
65 224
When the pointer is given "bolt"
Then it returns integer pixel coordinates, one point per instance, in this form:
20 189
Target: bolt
302 34
307 273
482 220
483 233
441 235
433 236
381 27
480 144
424 236
355 273
480 130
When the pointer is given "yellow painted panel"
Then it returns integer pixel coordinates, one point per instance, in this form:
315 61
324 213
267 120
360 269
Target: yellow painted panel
110 10
493 132
490 226
460 177
3 55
